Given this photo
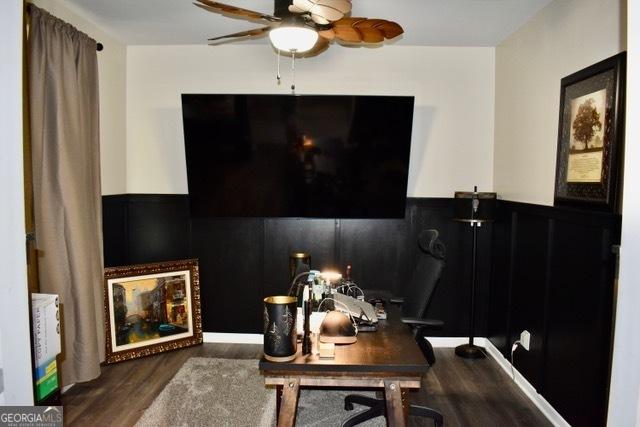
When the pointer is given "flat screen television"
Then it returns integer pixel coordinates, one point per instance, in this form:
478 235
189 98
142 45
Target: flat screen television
319 156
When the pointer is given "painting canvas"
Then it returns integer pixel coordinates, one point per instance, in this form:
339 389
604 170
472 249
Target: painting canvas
151 308
587 137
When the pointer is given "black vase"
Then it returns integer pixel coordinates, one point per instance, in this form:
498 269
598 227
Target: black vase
280 343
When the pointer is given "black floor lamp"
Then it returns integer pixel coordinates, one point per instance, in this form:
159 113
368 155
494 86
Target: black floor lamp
474 208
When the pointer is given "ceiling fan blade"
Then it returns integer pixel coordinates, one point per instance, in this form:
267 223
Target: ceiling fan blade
249 33
236 12
389 28
371 35
369 30
343 6
348 21
347 33
322 11
367 23
355 30
327 34
320 20
295 9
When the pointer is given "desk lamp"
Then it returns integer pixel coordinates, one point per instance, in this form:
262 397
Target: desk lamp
474 208
338 328
329 280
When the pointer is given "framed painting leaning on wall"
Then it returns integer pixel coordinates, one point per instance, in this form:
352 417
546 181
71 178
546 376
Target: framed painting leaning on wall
151 308
590 136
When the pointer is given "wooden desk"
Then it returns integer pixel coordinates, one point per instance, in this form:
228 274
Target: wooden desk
388 358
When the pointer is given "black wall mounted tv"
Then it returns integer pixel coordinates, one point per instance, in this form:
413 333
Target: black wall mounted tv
310 156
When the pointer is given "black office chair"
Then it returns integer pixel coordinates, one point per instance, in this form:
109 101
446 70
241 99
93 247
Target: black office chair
414 304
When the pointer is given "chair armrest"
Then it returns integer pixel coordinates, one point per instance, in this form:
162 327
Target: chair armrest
396 300
414 321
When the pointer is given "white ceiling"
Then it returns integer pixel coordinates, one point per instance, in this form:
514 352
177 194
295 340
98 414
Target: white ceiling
426 22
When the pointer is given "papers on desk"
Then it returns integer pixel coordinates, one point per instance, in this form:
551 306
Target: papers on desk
362 311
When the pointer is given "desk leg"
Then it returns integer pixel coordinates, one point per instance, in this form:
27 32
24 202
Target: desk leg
278 400
405 406
289 403
393 400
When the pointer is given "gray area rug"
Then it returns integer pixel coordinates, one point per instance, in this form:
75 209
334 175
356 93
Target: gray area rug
230 392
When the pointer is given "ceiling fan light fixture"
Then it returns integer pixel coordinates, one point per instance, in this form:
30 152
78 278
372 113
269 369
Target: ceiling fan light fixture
293 38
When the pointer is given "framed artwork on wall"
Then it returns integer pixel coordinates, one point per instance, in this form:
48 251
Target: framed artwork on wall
591 135
151 308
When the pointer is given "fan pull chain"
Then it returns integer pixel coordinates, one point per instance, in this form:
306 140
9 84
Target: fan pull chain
278 72
293 70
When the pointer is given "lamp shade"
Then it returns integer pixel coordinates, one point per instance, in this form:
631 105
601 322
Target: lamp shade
338 329
474 206
293 38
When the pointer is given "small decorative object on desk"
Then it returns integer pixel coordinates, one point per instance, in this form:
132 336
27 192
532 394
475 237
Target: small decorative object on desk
151 308
306 336
280 340
590 136
326 350
380 311
299 262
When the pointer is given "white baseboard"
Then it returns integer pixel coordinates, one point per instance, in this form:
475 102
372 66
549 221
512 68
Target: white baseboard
541 403
220 337
450 342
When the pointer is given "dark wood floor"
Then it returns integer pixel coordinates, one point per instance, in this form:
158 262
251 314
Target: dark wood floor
467 392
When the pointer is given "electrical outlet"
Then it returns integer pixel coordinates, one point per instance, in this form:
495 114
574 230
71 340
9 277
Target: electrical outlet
525 339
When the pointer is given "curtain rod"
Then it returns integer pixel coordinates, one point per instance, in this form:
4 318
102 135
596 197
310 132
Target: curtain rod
99 46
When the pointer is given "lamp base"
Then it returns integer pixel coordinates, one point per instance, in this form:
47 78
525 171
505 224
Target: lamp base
470 351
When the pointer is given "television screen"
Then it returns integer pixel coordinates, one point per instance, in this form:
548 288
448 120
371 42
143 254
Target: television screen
297 156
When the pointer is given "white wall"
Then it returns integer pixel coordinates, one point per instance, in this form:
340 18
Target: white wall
624 398
14 310
112 81
452 144
564 37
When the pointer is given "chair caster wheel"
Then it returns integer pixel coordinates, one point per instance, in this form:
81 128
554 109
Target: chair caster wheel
348 406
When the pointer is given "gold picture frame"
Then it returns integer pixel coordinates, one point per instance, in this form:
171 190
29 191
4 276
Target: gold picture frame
151 308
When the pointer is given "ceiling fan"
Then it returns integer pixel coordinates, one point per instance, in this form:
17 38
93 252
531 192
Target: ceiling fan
307 26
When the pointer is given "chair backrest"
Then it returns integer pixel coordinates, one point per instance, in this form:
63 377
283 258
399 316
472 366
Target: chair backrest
426 274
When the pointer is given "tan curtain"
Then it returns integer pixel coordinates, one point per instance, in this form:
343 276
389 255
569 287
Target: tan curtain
63 85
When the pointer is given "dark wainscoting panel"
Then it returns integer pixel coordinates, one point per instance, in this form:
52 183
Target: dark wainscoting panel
141 228
115 231
230 262
554 276
377 250
545 269
501 277
528 287
244 260
579 335
158 228
286 235
452 297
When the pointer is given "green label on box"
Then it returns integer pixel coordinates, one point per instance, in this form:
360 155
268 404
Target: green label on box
48 383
